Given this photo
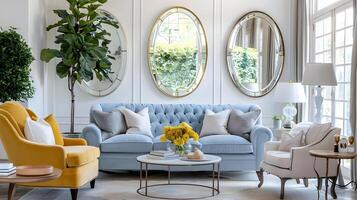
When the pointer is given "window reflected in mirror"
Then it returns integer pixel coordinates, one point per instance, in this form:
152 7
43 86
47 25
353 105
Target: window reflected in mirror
255 54
177 52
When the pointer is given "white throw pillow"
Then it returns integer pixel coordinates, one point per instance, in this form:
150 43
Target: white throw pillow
301 127
39 131
138 123
215 123
289 141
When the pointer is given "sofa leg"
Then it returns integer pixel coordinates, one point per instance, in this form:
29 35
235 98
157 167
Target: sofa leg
306 182
92 183
260 175
74 194
282 190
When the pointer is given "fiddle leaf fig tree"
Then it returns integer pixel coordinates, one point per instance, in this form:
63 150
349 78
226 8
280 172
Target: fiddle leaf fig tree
83 45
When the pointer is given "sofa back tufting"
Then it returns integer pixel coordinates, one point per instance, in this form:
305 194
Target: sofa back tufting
172 114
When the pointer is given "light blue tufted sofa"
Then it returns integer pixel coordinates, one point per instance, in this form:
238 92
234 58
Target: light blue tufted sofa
120 151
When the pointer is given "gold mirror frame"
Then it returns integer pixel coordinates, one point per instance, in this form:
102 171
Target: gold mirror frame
201 58
231 43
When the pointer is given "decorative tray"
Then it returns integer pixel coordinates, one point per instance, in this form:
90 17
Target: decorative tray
34 170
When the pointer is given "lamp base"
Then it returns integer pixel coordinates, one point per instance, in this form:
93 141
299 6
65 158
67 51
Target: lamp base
318 104
289 111
289 124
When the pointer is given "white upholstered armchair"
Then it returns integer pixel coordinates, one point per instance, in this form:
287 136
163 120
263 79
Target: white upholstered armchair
298 164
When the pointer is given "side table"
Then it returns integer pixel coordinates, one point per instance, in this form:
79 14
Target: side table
328 155
15 179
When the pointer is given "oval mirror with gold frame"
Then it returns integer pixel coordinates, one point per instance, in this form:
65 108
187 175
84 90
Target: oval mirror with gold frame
177 52
255 54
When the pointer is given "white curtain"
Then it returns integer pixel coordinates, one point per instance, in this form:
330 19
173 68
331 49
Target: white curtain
353 99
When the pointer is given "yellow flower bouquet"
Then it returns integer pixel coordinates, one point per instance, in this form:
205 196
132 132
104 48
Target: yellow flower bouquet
179 136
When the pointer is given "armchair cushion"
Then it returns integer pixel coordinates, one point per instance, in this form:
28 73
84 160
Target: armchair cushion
39 131
281 159
80 155
289 141
226 144
317 132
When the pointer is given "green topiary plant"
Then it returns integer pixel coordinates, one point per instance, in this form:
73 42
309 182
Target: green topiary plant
15 61
83 43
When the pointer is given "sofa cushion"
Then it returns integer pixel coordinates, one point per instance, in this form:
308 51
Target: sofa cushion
158 145
137 123
215 123
127 143
80 155
225 144
241 123
278 158
112 122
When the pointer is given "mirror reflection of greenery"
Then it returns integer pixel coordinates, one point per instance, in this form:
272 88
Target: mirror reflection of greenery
175 66
245 64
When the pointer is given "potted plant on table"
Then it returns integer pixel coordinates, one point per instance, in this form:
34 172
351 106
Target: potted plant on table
179 136
83 43
15 61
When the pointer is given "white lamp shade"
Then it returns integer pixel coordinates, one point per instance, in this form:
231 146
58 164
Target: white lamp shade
319 74
289 93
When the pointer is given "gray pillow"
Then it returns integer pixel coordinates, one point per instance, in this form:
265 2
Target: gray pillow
241 123
112 122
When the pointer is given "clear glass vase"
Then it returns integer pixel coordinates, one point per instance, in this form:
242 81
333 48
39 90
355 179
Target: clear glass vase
180 150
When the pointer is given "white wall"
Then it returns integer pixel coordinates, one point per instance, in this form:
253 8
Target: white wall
27 16
37 35
137 17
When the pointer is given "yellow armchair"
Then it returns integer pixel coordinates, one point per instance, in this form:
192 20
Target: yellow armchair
78 162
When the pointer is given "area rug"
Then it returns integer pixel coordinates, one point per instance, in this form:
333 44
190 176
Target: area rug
234 186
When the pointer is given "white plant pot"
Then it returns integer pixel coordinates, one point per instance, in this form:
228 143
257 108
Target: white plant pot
277 124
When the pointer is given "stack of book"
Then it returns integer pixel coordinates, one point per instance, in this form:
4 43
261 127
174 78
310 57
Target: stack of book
7 169
163 155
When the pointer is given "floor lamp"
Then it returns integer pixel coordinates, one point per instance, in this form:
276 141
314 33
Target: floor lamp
318 75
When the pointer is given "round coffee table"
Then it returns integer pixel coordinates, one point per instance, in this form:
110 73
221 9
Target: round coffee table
212 160
328 155
16 179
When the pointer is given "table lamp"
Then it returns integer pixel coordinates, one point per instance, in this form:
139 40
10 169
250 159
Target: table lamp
319 74
289 93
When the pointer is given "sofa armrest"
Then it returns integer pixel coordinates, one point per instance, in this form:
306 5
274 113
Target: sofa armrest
74 142
259 136
272 146
92 134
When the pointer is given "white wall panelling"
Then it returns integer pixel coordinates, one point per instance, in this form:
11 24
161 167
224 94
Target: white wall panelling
137 17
